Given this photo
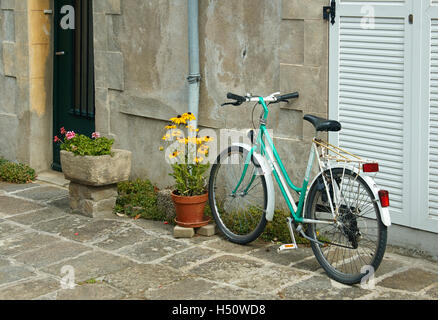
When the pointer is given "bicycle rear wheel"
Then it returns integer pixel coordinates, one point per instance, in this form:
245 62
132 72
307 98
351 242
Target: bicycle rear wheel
240 215
355 245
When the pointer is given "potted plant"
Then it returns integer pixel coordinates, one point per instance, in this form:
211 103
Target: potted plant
187 154
94 169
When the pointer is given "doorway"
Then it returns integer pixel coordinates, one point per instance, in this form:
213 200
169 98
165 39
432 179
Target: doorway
73 89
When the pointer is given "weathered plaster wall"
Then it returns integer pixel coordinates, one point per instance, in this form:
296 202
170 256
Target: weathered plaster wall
14 81
25 82
40 83
252 46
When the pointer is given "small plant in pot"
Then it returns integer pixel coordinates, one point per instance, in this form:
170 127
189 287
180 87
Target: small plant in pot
187 154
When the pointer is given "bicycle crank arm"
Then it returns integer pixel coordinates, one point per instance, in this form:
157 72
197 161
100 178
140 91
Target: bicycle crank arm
293 245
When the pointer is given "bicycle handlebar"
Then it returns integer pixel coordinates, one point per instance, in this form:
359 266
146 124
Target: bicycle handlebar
271 99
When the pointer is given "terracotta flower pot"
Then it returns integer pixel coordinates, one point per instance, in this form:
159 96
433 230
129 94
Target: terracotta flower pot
190 210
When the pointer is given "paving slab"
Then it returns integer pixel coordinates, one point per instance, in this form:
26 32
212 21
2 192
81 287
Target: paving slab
394 295
321 288
122 238
91 265
43 193
30 289
96 291
188 258
153 248
9 230
200 289
63 204
11 205
226 268
51 254
270 254
63 226
96 230
412 280
12 187
38 216
229 247
20 243
142 277
12 273
269 279
157 227
433 291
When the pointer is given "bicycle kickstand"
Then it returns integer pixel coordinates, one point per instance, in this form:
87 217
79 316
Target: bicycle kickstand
293 245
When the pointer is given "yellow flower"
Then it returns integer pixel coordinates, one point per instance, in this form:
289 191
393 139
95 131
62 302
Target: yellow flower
192 129
166 137
207 139
189 116
170 127
199 159
176 133
178 120
203 150
185 141
161 148
174 155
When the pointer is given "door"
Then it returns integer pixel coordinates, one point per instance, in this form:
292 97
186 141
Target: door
73 70
427 218
371 74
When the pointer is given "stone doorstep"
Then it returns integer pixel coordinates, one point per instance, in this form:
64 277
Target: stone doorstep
207 231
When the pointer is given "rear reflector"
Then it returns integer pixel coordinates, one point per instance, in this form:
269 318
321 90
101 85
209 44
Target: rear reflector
384 198
370 167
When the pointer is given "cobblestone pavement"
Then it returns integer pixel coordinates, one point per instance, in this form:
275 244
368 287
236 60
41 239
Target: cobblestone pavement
42 245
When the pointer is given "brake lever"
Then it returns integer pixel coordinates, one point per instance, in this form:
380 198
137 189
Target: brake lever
236 104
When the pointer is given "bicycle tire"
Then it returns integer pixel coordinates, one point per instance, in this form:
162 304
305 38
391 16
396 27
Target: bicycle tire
227 231
333 271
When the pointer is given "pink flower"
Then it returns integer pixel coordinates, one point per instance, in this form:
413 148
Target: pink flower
63 132
56 139
70 135
95 135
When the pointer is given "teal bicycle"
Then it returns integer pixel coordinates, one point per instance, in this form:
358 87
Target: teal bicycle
342 212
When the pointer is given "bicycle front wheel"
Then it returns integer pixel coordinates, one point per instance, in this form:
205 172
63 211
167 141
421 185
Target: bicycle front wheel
240 213
356 243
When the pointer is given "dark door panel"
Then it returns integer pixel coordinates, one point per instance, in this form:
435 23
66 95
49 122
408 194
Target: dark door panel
73 72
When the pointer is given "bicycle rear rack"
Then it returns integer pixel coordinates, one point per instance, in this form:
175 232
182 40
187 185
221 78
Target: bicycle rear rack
331 153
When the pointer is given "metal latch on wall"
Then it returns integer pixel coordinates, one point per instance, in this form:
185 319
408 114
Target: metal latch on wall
329 12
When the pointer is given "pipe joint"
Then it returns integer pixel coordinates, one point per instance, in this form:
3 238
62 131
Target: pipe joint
194 78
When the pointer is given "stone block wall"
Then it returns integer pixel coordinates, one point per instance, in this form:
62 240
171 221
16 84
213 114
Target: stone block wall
260 47
14 85
141 64
25 82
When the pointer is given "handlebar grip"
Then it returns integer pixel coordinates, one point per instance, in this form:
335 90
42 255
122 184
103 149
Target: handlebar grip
289 96
236 97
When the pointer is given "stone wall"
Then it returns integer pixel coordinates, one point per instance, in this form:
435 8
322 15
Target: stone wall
259 46
14 66
25 82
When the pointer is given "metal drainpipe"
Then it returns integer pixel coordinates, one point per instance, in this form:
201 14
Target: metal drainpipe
194 78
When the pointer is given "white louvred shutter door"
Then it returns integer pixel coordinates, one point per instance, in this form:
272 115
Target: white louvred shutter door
370 43
428 213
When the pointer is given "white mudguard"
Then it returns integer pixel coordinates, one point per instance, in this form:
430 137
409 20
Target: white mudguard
384 212
266 171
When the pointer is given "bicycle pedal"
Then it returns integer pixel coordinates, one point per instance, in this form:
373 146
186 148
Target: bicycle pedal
286 247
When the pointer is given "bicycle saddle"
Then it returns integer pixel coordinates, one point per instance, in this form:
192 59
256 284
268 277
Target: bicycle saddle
321 124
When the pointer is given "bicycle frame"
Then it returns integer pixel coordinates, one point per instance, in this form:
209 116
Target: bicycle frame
279 171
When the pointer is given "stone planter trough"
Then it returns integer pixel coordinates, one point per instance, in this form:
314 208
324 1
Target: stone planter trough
93 180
